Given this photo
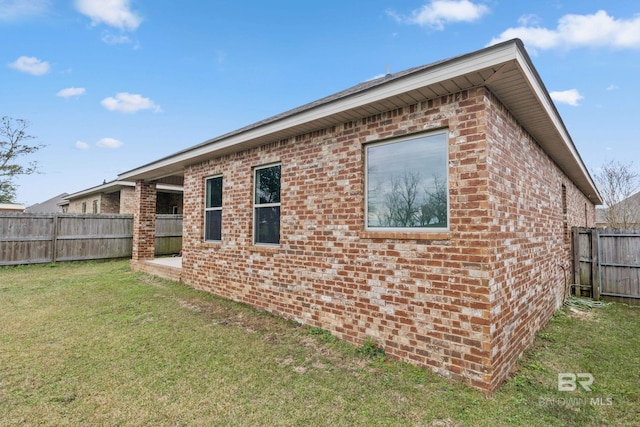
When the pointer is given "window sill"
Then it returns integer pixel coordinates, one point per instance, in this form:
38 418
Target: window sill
265 249
405 236
211 244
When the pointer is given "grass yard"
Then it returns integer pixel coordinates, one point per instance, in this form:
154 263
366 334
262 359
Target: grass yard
97 344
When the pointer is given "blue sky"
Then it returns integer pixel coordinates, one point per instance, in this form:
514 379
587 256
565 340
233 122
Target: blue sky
109 85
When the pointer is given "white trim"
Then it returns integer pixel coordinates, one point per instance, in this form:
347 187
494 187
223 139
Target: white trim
217 208
113 186
264 205
327 111
439 72
551 111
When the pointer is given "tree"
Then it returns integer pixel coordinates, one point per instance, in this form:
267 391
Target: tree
403 207
617 182
434 210
14 145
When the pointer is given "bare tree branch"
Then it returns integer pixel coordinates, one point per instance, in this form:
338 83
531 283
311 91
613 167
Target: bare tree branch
617 182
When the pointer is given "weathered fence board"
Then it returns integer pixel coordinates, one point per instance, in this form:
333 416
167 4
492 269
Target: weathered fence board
26 237
619 263
168 234
93 237
44 238
607 262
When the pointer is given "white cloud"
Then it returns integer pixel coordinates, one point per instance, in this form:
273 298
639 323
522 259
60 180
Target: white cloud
437 13
612 87
570 97
529 20
109 143
31 65
573 31
115 13
129 103
17 9
109 38
82 145
71 91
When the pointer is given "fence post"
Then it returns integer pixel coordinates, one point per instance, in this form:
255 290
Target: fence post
54 238
595 270
575 247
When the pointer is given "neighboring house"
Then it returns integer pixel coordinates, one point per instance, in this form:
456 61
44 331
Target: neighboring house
624 214
11 207
48 206
119 197
428 210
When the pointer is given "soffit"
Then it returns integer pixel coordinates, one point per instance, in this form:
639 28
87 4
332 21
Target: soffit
504 69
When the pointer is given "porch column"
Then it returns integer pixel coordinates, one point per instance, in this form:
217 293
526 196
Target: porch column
144 221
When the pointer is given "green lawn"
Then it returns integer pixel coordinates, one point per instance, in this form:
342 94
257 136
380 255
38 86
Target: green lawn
96 344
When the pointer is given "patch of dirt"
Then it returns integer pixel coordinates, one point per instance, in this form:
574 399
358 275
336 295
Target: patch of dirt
189 305
579 314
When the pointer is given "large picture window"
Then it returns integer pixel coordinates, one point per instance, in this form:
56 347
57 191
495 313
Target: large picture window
407 184
266 228
213 209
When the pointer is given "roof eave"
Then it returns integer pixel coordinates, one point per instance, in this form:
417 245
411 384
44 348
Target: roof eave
480 68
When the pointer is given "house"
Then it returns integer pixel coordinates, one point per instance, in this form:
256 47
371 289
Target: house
119 197
428 210
11 207
623 215
53 204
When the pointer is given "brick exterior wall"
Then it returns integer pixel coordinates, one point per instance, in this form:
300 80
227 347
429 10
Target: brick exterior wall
123 201
529 235
127 200
464 303
110 203
75 206
144 222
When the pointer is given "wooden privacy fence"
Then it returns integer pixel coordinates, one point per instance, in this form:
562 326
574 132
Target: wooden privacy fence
607 262
45 238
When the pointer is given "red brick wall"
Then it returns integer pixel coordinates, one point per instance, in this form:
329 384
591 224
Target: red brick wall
427 298
110 203
144 222
127 200
530 249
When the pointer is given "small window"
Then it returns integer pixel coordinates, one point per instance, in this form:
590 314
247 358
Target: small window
407 184
174 210
84 207
266 228
213 209
95 206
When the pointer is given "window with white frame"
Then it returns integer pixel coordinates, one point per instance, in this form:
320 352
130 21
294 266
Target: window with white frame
407 184
266 205
213 209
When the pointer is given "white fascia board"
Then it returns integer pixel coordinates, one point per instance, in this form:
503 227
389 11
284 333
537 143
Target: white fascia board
101 188
552 113
169 187
439 72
